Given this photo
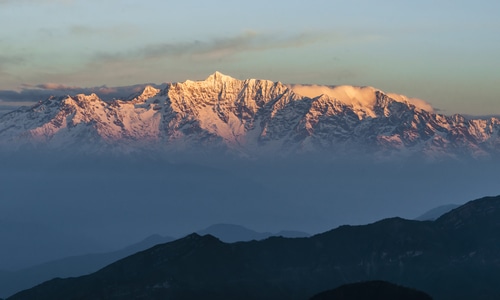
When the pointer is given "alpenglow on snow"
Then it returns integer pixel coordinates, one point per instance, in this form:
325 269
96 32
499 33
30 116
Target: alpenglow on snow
250 118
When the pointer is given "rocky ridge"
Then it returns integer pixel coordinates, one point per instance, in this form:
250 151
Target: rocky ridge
250 118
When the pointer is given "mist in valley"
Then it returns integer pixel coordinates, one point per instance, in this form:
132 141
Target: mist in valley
53 206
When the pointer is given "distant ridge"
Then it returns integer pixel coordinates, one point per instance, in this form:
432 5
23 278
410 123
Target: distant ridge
14 281
436 212
231 233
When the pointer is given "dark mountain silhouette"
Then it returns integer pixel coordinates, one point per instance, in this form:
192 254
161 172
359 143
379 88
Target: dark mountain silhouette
372 290
231 233
15 281
455 257
436 212
12 282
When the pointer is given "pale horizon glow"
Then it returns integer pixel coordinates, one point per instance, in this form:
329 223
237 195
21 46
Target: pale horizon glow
444 52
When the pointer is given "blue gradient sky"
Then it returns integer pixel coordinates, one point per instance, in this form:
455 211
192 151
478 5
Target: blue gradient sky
445 52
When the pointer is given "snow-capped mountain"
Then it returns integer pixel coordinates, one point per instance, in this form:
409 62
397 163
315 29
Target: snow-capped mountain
250 118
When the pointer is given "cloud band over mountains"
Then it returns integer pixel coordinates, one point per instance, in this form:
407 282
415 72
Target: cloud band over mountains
31 93
215 48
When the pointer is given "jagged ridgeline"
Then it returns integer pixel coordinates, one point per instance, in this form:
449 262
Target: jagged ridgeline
250 118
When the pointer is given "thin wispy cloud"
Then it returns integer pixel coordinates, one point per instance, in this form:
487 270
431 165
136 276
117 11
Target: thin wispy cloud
120 30
32 93
83 30
216 48
6 60
52 86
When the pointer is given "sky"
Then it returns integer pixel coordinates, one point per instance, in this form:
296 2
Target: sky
445 52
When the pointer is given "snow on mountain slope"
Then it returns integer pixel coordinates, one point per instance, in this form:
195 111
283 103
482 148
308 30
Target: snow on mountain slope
251 118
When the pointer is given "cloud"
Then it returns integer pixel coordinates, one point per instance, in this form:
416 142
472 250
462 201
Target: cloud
53 86
216 48
6 60
15 96
419 103
35 93
82 30
120 30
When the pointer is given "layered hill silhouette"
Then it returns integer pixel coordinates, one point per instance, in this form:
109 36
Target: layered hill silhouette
14 281
78 265
231 233
436 212
455 257
250 118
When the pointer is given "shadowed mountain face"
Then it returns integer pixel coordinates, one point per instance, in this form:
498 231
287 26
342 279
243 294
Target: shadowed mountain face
455 257
372 290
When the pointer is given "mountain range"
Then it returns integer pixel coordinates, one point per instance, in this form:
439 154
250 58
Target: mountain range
230 233
250 118
454 257
78 265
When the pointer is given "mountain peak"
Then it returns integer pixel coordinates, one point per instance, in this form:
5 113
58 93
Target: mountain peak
148 92
148 89
218 76
83 97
